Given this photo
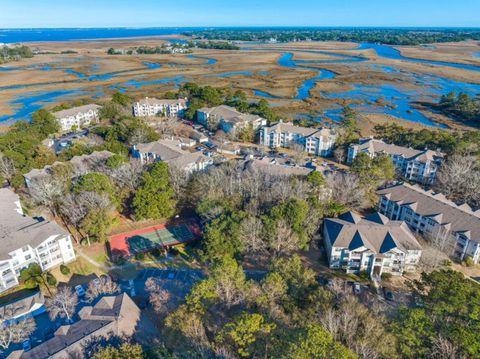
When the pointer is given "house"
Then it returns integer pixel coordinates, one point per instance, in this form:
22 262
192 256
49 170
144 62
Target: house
26 303
228 119
414 165
198 136
433 215
79 165
154 106
25 240
77 117
171 151
319 142
373 244
111 316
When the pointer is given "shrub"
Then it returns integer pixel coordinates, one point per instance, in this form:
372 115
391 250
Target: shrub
447 262
140 256
386 276
64 269
468 262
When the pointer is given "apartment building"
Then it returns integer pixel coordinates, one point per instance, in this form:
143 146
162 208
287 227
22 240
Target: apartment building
154 106
319 142
433 215
172 152
77 117
414 165
25 240
373 244
228 119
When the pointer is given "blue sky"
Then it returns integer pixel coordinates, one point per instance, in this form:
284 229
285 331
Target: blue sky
168 13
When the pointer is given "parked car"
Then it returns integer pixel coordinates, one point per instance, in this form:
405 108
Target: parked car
26 345
80 290
357 289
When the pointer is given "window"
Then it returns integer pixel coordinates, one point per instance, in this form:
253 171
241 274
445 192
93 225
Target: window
28 257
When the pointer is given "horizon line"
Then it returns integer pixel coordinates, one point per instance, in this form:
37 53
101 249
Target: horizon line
251 27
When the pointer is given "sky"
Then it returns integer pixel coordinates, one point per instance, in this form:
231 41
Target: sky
173 13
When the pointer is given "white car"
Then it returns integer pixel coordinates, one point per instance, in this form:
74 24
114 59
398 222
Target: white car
357 288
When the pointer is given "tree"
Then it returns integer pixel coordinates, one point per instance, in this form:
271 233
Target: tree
229 281
157 296
63 303
33 276
95 182
155 196
347 189
103 286
7 168
121 98
124 351
47 190
44 122
15 331
243 331
314 342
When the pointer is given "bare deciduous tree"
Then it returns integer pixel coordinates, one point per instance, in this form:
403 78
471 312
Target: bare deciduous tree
339 154
459 179
251 230
15 332
63 303
347 189
7 168
178 179
103 286
286 240
158 296
46 190
443 348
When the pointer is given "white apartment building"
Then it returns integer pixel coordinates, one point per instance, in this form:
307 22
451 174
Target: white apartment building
25 240
77 117
315 141
373 244
228 119
172 152
154 106
414 165
435 216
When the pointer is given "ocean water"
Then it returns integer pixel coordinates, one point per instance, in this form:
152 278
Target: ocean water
28 35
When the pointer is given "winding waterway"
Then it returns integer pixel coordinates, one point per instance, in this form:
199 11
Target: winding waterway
386 98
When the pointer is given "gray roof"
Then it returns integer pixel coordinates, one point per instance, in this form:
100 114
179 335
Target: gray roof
75 110
288 127
374 146
22 304
374 232
269 166
171 152
79 163
155 101
435 205
18 230
222 111
118 315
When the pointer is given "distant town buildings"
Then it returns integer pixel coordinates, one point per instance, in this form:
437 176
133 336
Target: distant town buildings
165 107
373 244
414 165
111 316
25 240
435 216
77 117
228 119
171 151
315 141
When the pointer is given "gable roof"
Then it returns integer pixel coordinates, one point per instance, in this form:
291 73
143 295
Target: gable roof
435 206
18 230
155 101
112 314
374 146
351 231
75 110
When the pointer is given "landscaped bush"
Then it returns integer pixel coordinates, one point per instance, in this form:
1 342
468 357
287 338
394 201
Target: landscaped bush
386 276
64 269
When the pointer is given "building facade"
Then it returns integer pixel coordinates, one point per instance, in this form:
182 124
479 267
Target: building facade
228 119
414 165
373 244
319 142
171 151
25 240
165 107
77 117
455 228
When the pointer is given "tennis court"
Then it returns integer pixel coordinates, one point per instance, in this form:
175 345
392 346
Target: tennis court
145 239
